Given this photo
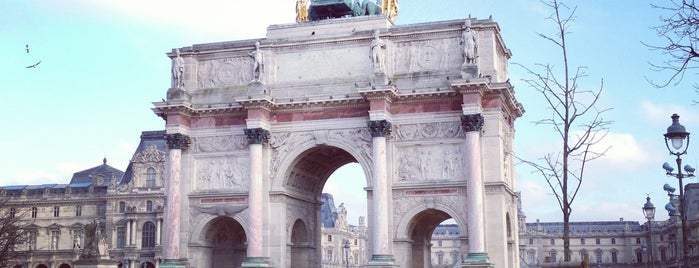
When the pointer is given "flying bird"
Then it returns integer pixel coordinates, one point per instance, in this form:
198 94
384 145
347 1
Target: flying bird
26 47
33 65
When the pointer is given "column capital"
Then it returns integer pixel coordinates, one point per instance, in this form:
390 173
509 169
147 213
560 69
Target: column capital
257 135
379 128
177 141
472 122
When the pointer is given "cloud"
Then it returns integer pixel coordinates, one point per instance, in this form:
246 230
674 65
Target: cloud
624 153
660 113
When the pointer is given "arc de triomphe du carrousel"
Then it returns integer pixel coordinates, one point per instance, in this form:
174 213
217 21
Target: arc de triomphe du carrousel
256 127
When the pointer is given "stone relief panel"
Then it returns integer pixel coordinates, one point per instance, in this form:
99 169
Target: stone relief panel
222 173
429 162
219 143
224 72
430 55
427 131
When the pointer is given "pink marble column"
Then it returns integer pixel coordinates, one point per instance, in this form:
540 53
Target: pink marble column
176 143
256 138
472 125
380 129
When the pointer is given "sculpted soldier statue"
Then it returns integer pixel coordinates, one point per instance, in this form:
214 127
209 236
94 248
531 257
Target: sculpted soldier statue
177 70
258 62
470 45
377 53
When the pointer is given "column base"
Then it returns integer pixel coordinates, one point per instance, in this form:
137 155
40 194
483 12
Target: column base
381 261
477 260
173 263
255 262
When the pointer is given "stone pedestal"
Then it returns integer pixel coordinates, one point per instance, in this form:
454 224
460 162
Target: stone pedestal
251 262
178 94
381 261
477 260
469 71
173 263
96 263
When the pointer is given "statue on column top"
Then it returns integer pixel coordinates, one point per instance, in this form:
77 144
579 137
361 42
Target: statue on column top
177 70
470 45
258 66
377 53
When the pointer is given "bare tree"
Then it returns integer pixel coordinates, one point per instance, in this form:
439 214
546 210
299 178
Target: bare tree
13 235
574 118
679 30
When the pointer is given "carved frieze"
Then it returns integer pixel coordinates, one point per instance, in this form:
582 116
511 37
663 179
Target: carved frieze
429 162
431 55
427 131
224 72
150 154
225 173
219 143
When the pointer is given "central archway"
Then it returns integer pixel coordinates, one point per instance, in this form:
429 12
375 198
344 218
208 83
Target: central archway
305 180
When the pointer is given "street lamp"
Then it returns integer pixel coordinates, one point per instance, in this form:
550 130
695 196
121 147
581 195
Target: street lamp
675 143
649 213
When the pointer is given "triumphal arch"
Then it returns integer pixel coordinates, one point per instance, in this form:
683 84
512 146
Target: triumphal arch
256 127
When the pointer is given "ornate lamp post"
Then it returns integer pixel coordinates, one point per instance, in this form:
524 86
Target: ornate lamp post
676 145
649 213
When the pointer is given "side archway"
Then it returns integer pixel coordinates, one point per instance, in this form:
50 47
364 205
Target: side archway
224 243
301 246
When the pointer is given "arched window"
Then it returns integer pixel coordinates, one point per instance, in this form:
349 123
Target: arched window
150 177
149 206
148 235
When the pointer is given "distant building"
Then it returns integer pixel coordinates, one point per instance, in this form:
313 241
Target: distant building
343 245
128 206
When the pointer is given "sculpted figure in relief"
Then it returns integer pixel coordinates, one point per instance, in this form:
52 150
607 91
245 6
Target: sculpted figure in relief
177 70
470 45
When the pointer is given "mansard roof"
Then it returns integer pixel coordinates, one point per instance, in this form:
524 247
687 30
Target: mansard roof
446 229
89 175
328 210
149 140
587 227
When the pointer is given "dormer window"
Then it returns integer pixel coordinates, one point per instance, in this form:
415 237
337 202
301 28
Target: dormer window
150 177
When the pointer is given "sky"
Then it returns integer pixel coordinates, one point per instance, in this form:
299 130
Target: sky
103 63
